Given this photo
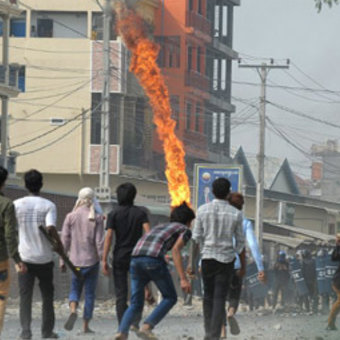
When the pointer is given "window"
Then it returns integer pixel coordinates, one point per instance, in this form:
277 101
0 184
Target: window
191 5
223 81
217 22
188 115
45 28
200 7
225 21
22 79
97 27
198 59
214 127
18 26
174 101
222 128
215 75
198 117
189 58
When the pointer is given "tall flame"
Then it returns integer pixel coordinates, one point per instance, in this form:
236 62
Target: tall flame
144 66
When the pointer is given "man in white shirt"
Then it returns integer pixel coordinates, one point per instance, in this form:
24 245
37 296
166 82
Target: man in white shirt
216 224
37 254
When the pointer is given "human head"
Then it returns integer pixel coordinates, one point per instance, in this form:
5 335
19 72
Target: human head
3 176
282 256
86 196
236 200
182 214
221 188
126 193
33 181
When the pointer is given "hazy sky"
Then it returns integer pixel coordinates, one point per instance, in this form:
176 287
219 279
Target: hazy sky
282 29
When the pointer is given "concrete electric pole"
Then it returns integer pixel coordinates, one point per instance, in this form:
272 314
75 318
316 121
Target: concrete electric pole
103 192
4 104
263 70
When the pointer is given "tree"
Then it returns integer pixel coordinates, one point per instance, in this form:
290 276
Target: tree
319 3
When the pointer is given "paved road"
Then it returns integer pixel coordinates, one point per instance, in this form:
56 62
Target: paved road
184 323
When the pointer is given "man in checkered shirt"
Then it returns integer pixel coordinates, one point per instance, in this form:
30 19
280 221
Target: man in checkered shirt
148 264
216 224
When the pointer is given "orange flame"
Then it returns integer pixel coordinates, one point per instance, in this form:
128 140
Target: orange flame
144 66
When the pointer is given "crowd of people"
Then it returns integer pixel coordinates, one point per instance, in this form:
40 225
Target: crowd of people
219 235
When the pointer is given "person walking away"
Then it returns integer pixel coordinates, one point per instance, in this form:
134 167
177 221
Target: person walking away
219 233
148 264
236 200
83 238
127 222
8 245
336 287
281 278
37 254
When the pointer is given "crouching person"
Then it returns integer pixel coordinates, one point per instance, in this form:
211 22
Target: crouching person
148 264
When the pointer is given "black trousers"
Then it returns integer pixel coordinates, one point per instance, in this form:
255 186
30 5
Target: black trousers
216 279
234 293
44 273
121 284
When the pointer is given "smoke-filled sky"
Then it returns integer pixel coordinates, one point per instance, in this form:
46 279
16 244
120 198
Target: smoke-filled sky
282 29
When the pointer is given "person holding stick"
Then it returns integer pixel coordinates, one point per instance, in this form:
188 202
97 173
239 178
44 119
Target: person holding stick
37 254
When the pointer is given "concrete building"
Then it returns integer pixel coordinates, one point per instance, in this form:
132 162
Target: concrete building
55 124
325 171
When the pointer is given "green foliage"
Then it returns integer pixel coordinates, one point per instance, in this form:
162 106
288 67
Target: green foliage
319 3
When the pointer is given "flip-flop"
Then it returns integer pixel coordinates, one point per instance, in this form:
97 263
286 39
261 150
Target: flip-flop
233 324
70 321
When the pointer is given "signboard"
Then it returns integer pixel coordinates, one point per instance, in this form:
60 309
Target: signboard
205 174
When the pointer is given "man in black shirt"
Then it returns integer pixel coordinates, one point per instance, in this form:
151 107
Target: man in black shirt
127 221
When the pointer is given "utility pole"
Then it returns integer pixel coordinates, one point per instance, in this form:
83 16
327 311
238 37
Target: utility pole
103 192
4 103
263 70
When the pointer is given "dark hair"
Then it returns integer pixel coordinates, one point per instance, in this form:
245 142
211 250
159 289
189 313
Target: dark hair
182 214
221 188
3 175
33 181
126 193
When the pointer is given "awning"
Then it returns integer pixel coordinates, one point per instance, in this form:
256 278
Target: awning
288 241
305 232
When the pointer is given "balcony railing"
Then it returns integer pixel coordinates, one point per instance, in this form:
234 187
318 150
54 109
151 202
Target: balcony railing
198 22
197 80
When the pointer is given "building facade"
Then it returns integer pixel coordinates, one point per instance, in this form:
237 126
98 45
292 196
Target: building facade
55 124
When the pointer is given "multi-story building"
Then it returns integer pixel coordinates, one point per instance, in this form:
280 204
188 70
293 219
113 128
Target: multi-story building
196 54
55 124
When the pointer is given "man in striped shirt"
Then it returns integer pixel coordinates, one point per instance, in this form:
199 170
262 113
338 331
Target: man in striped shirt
216 224
148 264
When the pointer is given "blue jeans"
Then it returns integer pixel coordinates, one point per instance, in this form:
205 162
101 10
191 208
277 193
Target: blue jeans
143 270
90 275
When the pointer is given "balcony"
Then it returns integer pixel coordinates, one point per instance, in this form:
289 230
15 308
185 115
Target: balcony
197 80
10 89
9 7
198 23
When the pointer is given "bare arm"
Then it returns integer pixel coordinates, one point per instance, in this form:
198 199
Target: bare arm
146 227
194 251
107 246
177 258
